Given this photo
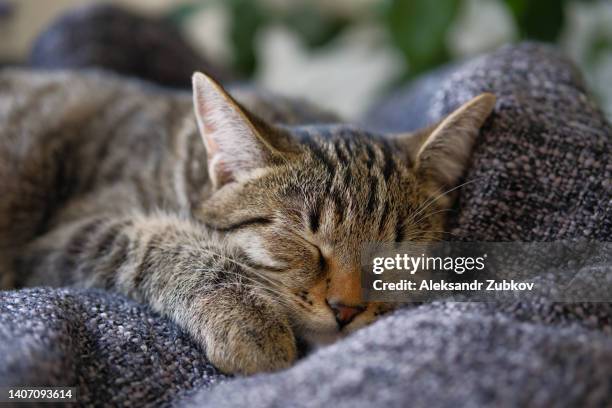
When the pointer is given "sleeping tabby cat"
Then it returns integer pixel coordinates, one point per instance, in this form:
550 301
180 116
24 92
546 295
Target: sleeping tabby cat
241 223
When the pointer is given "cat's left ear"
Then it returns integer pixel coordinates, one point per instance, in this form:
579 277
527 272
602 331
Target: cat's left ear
440 154
236 141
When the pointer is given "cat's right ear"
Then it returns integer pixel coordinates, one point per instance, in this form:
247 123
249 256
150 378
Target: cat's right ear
440 154
236 142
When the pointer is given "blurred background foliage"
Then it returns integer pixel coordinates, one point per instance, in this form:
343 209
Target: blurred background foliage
423 34
343 54
417 28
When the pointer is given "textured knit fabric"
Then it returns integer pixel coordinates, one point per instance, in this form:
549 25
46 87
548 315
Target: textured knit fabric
115 351
543 172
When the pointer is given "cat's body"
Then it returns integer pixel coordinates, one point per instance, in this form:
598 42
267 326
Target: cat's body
78 145
248 240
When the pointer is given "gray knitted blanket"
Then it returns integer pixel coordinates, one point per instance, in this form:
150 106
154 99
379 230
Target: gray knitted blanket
545 170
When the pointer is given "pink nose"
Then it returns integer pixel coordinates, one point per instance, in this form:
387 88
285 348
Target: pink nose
345 314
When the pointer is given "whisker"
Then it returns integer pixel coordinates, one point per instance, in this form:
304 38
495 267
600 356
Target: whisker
431 201
283 295
431 214
237 263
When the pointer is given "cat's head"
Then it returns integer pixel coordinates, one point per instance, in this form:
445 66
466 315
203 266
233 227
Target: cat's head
300 202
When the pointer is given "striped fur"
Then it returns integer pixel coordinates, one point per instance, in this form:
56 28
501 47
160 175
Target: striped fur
107 183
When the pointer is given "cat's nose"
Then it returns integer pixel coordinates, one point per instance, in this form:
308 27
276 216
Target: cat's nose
345 314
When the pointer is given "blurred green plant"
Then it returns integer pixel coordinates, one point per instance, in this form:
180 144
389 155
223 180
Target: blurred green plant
417 28
248 16
541 19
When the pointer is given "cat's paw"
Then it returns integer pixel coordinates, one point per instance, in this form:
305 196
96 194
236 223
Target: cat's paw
248 342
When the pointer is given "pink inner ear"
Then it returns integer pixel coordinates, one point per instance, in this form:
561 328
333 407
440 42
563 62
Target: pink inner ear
220 172
204 111
207 128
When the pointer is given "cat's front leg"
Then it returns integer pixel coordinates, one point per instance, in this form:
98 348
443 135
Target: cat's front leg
173 265
241 331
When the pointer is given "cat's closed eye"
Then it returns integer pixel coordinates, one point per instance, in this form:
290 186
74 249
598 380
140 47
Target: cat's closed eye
322 261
